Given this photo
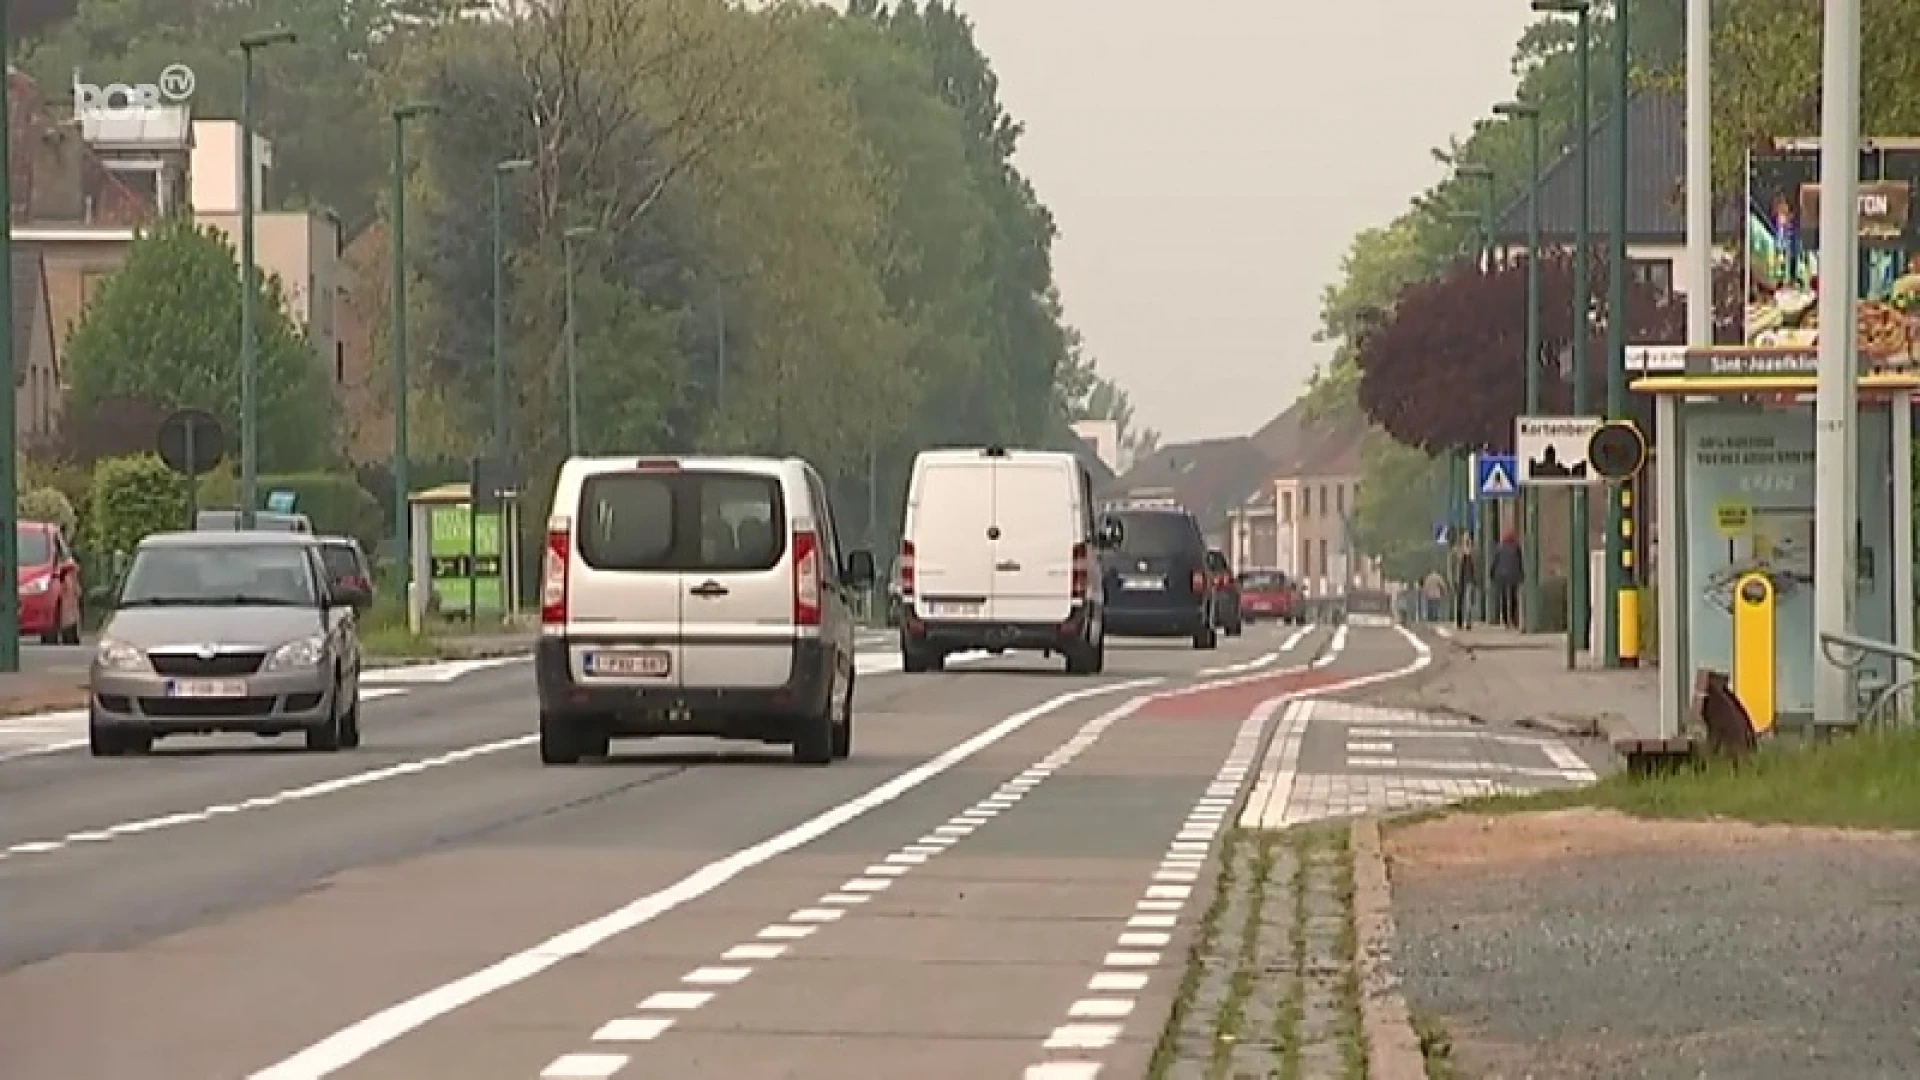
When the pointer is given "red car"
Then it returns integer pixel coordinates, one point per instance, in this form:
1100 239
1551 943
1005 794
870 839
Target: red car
49 584
1269 594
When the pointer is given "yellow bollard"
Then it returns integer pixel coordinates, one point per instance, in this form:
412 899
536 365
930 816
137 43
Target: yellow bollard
1753 655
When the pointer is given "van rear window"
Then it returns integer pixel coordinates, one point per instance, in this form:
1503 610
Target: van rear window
689 521
1157 534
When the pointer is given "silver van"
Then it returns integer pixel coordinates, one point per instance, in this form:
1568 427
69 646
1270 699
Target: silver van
698 597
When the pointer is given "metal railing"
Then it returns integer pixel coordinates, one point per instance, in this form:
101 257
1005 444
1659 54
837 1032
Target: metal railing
1879 703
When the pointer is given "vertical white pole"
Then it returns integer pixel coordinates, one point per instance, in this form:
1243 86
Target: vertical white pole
1901 509
1670 560
1670 580
1836 411
1699 270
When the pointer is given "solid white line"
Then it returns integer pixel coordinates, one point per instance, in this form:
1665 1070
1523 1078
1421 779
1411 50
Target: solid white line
1295 638
356 1041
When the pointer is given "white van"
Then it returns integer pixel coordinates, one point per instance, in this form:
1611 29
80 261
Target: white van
999 552
695 596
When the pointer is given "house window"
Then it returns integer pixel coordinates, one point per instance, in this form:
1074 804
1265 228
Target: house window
1323 510
1340 499
1323 556
1655 272
1286 508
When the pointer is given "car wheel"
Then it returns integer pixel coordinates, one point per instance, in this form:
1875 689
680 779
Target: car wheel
813 735
326 736
350 724
596 740
1081 658
559 739
1233 629
103 741
843 731
71 636
1205 638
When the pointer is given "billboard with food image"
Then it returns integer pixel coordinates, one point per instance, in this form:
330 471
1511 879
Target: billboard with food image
1782 250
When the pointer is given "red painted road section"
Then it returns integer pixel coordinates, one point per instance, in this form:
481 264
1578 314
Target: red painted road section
1239 699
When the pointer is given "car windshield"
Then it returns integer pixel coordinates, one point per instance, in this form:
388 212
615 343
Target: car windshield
1263 581
224 575
36 546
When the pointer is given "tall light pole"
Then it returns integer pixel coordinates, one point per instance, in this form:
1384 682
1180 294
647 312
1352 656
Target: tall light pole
9 463
1836 448
1578 615
1529 498
401 526
1612 609
249 283
1458 481
1487 511
573 340
501 170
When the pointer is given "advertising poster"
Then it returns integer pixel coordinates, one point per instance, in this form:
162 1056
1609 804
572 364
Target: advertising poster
452 566
1749 499
1782 253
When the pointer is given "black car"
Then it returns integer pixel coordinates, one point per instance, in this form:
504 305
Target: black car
1226 594
1156 583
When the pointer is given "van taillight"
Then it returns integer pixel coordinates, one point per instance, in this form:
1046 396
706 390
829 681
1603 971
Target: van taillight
806 579
1081 571
1199 582
906 570
553 578
1222 582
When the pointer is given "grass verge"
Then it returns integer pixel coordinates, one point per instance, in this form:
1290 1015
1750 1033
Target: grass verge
1861 781
1167 1049
1286 1034
1436 1048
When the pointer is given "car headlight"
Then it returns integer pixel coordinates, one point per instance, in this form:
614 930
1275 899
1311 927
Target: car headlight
304 653
35 586
119 656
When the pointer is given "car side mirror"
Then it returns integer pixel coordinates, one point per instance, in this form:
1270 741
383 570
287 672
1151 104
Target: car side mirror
858 570
1112 534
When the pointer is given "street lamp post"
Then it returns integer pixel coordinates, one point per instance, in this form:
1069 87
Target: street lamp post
501 170
249 287
1487 511
1612 610
1529 498
9 463
573 340
401 509
1457 478
1578 615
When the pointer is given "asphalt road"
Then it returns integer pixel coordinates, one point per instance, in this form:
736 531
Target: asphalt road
36 658
999 877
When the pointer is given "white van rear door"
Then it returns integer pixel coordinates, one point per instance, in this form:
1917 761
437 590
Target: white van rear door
952 558
623 593
1034 511
736 604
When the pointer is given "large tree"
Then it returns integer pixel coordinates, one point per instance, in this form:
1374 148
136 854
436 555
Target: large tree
165 329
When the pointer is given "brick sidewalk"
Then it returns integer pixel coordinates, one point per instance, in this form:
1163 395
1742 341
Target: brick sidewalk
1521 680
27 693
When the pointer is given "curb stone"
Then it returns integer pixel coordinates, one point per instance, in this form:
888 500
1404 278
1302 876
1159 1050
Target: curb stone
1393 1048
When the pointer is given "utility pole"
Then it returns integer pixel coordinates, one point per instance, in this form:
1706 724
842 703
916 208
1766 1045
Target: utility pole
249 285
501 170
1529 496
401 507
573 341
9 437
1611 607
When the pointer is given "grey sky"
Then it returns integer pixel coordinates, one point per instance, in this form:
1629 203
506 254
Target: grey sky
1209 161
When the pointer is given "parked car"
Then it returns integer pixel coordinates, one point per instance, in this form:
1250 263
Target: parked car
696 596
347 568
237 631
998 552
1270 594
1155 579
1226 594
49 581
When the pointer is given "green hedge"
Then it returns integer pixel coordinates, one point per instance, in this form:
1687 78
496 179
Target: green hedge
131 497
336 503
48 504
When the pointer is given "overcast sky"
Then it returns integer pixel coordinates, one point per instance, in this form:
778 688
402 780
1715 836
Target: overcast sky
1209 161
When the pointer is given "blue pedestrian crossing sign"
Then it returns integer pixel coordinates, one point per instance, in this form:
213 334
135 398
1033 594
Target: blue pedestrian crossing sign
1442 535
1495 476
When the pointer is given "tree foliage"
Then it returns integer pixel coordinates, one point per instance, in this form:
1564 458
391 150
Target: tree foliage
131 497
165 329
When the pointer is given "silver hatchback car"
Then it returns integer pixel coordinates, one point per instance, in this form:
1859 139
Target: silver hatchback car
226 631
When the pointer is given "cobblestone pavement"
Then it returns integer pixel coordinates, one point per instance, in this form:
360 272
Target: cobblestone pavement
1274 990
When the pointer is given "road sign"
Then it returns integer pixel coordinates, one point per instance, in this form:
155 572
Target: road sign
1495 476
1617 451
191 442
1552 450
281 502
1440 534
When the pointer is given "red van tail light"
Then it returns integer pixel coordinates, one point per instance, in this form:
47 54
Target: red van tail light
553 578
806 579
1199 582
1222 582
906 570
1081 571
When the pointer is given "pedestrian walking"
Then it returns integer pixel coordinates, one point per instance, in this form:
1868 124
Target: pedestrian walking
1466 581
1508 570
1435 594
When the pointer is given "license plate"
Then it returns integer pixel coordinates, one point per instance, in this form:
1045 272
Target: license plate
647 663
950 608
1142 584
207 688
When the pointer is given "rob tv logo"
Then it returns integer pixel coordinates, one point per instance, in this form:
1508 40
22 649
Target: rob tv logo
174 86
